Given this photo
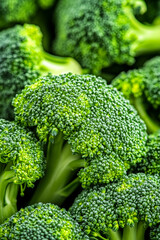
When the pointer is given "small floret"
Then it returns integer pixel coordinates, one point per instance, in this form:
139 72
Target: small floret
100 33
41 221
119 210
21 164
13 11
22 60
87 126
142 88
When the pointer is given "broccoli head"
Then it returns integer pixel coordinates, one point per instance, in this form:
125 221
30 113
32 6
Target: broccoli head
21 164
142 88
121 210
41 221
103 32
22 60
88 127
151 163
12 11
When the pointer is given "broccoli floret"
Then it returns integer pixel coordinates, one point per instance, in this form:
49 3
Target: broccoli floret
41 221
12 11
22 60
155 232
121 210
103 32
21 164
142 88
87 126
151 162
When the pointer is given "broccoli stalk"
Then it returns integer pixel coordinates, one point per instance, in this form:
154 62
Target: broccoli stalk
84 127
22 163
61 166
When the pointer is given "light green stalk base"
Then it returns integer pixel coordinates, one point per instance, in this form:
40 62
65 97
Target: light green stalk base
152 126
8 195
59 65
62 165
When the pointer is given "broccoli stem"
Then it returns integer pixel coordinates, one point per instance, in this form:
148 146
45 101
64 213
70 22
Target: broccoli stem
57 183
58 65
129 233
141 231
8 195
152 126
147 37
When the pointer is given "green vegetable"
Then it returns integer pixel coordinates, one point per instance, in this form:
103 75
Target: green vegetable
142 88
41 221
122 210
100 33
22 60
21 164
87 127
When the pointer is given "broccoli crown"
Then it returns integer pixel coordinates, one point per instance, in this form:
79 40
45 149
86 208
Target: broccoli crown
151 163
41 221
94 118
152 82
20 54
103 209
12 11
21 152
101 32
155 232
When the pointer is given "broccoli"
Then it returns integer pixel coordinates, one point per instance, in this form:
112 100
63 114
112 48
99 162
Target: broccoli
22 60
151 163
104 32
122 210
44 4
87 127
41 221
142 88
21 164
155 232
13 11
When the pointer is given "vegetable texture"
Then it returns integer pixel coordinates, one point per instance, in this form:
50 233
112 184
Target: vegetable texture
21 164
22 60
121 210
86 125
41 221
100 33
142 88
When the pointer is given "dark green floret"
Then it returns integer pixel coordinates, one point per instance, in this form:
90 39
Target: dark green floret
142 88
155 232
86 125
121 210
100 33
41 221
22 60
13 11
21 164
151 162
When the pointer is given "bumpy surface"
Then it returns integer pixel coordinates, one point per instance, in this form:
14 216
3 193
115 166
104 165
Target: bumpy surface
20 54
12 11
24 153
95 35
41 221
124 203
155 233
94 117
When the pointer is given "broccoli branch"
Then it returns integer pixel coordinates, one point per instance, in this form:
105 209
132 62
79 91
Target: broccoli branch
58 65
58 183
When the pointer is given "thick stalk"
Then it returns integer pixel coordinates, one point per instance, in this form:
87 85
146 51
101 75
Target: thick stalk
7 206
152 126
148 37
129 233
58 65
57 183
141 228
